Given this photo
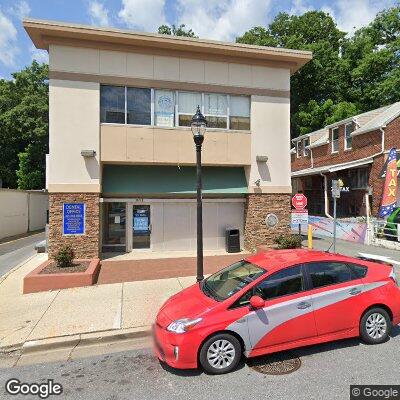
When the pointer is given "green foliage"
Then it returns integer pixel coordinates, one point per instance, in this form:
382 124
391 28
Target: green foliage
346 76
181 30
64 257
24 128
289 241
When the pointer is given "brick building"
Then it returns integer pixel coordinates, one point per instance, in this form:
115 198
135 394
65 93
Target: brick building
354 150
121 165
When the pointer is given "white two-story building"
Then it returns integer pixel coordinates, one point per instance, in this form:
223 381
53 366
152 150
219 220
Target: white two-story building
121 166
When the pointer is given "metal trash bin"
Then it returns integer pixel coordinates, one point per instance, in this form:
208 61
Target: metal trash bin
232 240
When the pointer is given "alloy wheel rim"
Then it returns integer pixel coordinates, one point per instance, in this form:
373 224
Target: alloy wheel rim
221 354
376 326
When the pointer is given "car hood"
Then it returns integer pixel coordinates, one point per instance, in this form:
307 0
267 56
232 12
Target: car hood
189 303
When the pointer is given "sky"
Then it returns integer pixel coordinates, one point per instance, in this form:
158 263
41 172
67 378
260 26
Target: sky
212 19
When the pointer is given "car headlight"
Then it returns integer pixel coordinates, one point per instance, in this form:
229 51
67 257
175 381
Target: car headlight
182 325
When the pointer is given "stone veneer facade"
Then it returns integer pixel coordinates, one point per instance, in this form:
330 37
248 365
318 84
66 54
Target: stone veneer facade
258 206
85 246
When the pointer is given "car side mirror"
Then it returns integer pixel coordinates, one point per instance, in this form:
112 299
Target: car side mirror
257 302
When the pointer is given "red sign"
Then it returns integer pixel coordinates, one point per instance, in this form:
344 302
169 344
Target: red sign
299 201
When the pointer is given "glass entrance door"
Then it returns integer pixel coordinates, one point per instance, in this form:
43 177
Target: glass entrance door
114 218
141 227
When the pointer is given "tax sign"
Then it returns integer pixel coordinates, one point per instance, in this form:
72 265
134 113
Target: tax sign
299 201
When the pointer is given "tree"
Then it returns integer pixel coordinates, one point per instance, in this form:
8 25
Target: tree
181 30
347 75
24 128
322 78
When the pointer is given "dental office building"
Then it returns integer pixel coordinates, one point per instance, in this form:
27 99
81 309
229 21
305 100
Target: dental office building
121 166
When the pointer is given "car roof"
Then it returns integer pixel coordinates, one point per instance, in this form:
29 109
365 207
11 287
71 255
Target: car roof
274 260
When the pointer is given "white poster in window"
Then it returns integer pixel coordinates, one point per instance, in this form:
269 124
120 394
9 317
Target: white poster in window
164 108
117 219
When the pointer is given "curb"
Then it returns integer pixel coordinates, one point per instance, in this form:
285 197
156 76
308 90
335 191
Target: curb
84 339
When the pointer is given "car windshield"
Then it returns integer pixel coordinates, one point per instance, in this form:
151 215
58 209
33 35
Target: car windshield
225 283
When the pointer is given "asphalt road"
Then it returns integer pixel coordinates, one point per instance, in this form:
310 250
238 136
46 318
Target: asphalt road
326 372
16 251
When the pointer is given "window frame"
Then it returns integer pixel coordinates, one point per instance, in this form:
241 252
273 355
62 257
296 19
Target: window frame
308 274
348 137
306 152
305 287
335 140
176 109
298 149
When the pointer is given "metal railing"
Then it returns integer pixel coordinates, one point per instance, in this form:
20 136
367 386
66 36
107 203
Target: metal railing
382 229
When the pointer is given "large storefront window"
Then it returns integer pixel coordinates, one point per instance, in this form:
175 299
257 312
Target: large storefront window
114 232
170 108
112 104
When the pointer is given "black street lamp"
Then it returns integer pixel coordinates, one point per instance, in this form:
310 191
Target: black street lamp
199 124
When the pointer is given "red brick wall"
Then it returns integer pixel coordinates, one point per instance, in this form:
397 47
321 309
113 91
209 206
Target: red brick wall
392 134
302 162
363 146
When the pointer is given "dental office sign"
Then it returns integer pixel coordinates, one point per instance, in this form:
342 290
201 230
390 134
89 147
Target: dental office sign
73 219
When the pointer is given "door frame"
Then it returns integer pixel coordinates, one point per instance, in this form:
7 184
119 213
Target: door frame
129 225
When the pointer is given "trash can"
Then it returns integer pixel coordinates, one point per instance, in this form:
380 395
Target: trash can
232 240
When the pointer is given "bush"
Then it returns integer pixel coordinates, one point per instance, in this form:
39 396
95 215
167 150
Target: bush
64 257
290 241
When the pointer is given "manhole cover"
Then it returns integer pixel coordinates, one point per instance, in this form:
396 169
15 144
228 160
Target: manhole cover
275 364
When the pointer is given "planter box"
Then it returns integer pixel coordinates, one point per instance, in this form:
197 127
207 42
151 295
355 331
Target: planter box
37 282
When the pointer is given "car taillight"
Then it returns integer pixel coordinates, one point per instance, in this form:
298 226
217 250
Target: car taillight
393 277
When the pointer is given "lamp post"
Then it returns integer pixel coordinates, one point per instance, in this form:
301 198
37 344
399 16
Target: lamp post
198 125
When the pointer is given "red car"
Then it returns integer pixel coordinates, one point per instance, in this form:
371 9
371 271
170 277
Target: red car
276 301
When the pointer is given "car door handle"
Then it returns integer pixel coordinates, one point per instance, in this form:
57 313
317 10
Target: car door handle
303 305
355 291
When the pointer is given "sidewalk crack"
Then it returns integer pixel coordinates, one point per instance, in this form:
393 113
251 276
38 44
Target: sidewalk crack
45 311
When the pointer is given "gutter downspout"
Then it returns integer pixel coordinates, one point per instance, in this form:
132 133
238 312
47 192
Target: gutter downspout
312 158
383 138
326 200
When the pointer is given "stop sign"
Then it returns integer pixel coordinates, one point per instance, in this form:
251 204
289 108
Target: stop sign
299 201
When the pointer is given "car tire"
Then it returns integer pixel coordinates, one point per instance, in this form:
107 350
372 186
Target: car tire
220 354
375 326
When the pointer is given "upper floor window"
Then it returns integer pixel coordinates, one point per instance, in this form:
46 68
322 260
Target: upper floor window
306 143
239 110
187 102
216 110
112 104
298 148
138 106
164 108
348 138
169 108
335 140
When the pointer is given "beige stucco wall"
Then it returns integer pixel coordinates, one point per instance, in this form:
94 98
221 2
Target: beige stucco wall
270 131
21 212
179 69
74 126
121 143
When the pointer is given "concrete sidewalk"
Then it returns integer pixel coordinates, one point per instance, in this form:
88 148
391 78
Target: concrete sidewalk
102 312
62 315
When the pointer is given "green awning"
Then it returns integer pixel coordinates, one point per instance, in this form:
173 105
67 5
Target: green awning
151 180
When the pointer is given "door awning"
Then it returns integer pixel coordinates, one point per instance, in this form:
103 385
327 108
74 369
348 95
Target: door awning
172 180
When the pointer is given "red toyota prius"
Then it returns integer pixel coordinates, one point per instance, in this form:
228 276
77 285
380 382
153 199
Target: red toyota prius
276 301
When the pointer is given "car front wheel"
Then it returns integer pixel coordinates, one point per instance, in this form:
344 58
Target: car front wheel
220 354
375 326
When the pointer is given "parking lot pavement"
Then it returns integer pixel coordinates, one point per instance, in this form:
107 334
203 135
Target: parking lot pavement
326 371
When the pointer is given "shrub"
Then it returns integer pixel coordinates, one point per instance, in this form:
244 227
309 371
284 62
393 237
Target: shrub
291 241
64 257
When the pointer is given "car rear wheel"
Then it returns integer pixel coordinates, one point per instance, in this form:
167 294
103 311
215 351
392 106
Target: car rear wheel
375 326
220 354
